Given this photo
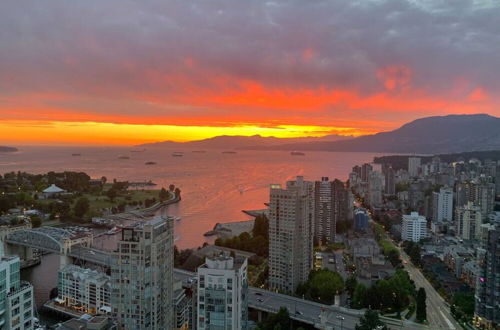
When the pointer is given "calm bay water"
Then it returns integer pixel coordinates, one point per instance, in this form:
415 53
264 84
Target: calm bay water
215 186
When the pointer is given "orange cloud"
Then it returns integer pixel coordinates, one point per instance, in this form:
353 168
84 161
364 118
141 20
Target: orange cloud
395 77
226 105
477 95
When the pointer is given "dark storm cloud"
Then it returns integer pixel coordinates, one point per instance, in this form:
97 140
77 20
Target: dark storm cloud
163 49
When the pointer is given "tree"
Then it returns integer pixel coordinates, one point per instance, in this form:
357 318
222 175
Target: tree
462 306
261 226
6 203
415 255
149 202
61 209
171 188
121 207
370 321
358 296
120 185
177 192
163 195
111 193
104 180
413 251
393 257
180 257
350 284
281 320
81 207
36 221
421 306
322 286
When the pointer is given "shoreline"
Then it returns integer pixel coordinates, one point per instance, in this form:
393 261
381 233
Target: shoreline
230 229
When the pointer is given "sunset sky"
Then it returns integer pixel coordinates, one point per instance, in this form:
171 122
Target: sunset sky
122 72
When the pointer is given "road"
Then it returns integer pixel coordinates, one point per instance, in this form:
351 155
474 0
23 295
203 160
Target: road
438 311
319 315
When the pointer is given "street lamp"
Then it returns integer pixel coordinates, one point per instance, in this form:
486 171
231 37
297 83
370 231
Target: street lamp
341 319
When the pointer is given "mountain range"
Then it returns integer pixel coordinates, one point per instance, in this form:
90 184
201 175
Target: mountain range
231 142
7 149
438 134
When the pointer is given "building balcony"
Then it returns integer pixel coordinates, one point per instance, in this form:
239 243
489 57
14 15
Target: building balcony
22 287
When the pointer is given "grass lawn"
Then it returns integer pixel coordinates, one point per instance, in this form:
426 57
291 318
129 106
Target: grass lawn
254 272
100 202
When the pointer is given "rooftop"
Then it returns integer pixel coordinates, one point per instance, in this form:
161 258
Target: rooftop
85 273
53 189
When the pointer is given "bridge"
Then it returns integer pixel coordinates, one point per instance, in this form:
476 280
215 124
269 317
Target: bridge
93 256
318 315
48 239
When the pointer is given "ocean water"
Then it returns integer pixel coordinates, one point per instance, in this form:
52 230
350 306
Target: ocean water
215 186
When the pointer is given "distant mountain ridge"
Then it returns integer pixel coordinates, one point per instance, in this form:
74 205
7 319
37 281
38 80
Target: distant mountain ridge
8 149
439 134
241 142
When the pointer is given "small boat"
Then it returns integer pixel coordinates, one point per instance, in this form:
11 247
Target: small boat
297 153
177 154
123 157
177 218
229 152
150 163
113 231
76 155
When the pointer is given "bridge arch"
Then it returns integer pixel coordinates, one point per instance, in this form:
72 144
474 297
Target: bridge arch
45 238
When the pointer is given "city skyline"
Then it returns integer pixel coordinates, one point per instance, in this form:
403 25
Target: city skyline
135 72
249 165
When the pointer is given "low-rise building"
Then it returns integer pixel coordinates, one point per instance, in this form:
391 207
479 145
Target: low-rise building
360 220
455 257
84 290
52 191
470 273
88 322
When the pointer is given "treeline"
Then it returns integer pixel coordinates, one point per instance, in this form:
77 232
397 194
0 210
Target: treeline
388 295
68 180
322 286
278 321
257 242
388 249
413 250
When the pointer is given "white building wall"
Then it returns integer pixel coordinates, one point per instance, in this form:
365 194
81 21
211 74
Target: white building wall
228 279
414 227
443 205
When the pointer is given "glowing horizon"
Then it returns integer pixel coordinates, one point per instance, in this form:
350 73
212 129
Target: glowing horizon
92 133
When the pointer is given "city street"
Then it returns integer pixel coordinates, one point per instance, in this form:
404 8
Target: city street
438 312
319 315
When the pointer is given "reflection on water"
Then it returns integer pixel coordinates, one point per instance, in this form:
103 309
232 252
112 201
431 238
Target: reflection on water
215 186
